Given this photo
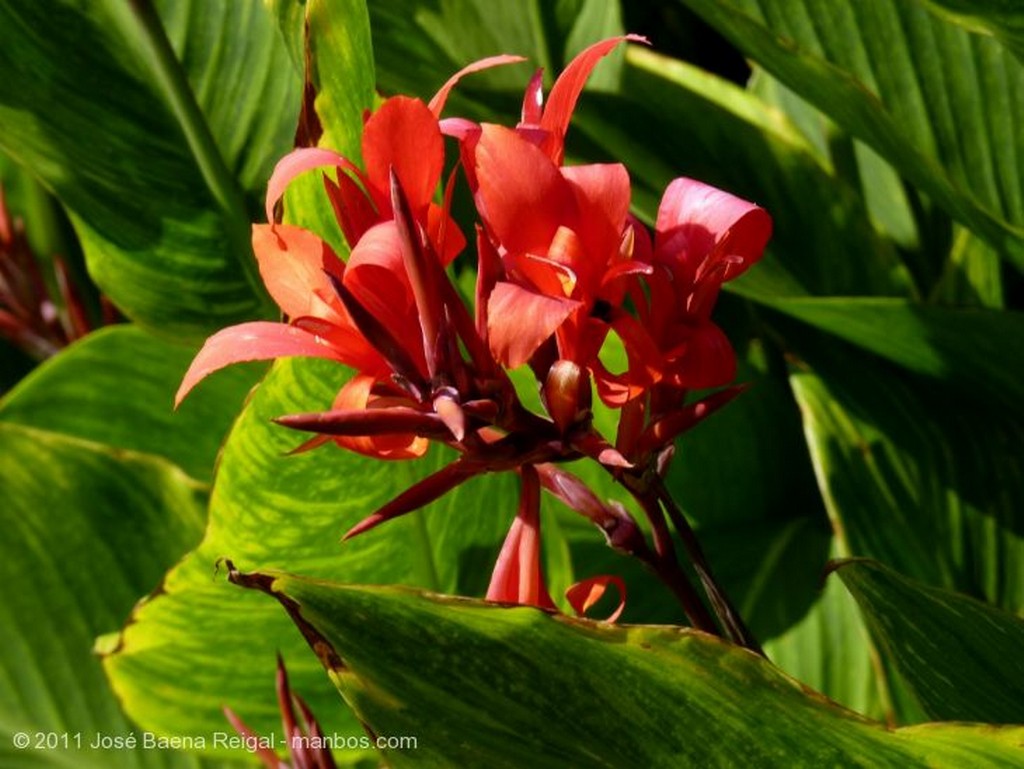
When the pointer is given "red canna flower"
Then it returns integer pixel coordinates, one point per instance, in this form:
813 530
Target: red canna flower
558 256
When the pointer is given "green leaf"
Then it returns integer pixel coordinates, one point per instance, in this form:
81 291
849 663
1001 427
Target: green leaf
915 475
418 45
289 512
485 685
963 659
148 152
116 387
1002 18
980 351
940 104
341 73
87 530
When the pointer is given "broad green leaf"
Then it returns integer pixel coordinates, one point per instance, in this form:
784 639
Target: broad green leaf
341 73
116 387
484 685
671 119
289 512
977 350
87 530
418 45
973 274
1002 18
963 659
919 477
144 149
939 103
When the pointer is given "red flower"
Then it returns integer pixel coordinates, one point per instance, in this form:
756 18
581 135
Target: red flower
704 237
366 314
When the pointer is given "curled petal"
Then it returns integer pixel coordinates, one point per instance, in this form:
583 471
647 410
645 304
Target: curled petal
567 89
297 162
259 340
586 593
437 103
697 222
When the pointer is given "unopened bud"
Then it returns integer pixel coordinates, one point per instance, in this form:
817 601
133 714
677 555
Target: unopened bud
567 394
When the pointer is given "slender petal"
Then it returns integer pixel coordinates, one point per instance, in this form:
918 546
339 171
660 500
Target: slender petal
566 90
352 208
423 493
368 422
669 427
437 103
533 100
259 340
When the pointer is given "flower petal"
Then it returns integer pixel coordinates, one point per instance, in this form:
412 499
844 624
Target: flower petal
297 162
259 340
437 103
602 199
707 360
567 89
519 320
294 264
357 395
585 593
403 134
522 196
696 220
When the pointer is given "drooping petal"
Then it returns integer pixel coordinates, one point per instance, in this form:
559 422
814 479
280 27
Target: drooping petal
566 90
437 103
259 340
404 135
696 220
585 593
297 162
294 264
519 320
522 196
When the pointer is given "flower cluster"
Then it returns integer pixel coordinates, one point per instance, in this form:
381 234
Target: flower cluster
562 264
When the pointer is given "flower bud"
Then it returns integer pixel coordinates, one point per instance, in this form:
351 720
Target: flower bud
567 394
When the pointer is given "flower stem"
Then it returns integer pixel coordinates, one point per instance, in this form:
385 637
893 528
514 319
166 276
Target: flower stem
726 612
665 565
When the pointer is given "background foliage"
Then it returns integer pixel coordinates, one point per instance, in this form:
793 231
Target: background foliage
882 335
